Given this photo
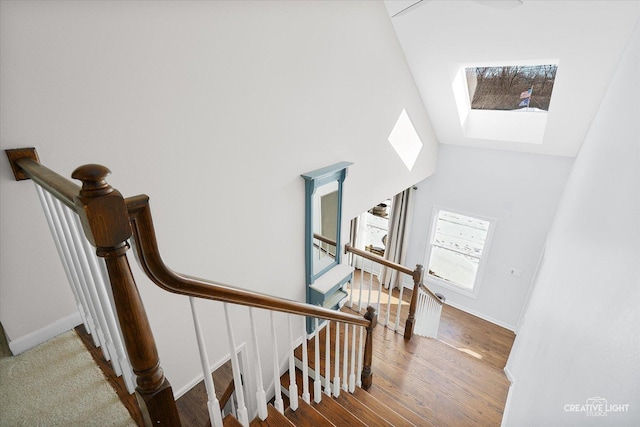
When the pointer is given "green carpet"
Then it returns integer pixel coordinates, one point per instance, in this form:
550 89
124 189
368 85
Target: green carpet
56 384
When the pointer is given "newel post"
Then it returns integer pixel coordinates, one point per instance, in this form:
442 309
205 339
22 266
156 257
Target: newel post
367 375
418 276
105 222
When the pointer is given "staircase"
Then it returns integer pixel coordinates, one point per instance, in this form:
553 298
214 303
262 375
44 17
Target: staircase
93 227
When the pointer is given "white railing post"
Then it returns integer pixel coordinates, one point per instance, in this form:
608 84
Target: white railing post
306 396
345 357
317 384
327 361
279 405
352 376
261 396
213 404
336 379
293 387
64 256
360 357
243 416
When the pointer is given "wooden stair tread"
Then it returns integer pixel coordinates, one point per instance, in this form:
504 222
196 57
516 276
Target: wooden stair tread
361 411
336 413
231 421
274 419
306 416
401 409
384 410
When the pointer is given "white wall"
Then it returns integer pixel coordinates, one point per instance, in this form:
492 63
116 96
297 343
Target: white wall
213 109
581 336
521 192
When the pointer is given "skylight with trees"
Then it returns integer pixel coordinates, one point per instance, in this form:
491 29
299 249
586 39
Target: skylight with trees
513 87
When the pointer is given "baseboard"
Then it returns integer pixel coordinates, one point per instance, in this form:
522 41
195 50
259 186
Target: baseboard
512 328
33 339
507 405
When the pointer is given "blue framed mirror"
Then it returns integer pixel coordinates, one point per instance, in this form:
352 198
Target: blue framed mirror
323 215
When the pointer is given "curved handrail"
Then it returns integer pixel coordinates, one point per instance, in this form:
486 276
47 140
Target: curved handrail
151 262
385 262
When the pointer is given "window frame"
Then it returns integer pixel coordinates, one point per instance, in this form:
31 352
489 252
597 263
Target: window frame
482 260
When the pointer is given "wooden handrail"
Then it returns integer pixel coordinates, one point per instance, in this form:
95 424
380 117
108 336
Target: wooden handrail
385 262
377 258
151 262
418 279
26 165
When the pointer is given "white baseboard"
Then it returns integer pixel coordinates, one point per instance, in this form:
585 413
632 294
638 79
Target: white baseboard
35 338
507 405
512 328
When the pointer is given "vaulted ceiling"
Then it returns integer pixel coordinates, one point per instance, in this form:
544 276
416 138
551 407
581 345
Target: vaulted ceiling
586 38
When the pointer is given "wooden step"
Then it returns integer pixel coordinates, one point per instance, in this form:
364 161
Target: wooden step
401 409
306 416
382 409
336 413
230 421
274 419
361 411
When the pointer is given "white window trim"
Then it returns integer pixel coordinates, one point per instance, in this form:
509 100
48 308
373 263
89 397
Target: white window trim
483 260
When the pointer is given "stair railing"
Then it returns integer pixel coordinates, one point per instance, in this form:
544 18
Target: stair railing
109 222
424 308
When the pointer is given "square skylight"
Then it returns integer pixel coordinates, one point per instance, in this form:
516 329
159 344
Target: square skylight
505 102
511 87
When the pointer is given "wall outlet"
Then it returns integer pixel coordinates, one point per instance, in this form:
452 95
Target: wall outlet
516 273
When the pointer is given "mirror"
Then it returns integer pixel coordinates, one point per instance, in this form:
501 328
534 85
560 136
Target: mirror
325 226
323 210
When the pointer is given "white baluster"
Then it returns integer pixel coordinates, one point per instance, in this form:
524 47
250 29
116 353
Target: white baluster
361 283
279 405
57 238
360 357
399 310
370 285
213 404
114 344
97 287
293 387
72 256
386 317
379 288
327 364
317 384
345 357
261 396
243 416
127 371
306 396
336 379
352 377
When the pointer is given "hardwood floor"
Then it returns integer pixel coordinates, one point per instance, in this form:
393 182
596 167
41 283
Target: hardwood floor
455 380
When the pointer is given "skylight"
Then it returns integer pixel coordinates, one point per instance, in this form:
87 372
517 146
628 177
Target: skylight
511 87
505 102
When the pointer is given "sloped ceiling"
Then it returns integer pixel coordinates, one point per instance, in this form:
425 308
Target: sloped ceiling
587 38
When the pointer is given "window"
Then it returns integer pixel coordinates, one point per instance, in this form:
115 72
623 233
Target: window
509 103
458 248
511 87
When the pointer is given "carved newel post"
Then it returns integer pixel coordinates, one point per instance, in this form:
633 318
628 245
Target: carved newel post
418 276
367 375
105 221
